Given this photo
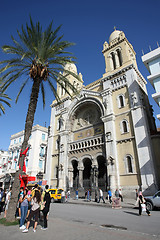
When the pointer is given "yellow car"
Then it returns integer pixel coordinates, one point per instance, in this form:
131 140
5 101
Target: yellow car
55 194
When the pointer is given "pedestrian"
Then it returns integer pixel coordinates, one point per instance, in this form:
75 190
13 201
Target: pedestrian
47 201
142 204
96 198
88 195
8 196
101 195
3 198
110 195
120 194
77 194
136 193
68 194
29 203
18 212
33 189
85 194
62 196
24 208
34 212
117 193
0 199
137 199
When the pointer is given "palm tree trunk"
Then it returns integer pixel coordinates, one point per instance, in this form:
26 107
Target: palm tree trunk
28 129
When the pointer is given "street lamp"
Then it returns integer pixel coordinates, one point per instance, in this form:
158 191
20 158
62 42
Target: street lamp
95 174
58 146
39 176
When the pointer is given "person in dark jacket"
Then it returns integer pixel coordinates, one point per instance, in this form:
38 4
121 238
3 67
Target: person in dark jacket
142 201
47 201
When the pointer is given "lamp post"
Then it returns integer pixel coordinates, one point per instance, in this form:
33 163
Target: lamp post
39 176
95 174
58 146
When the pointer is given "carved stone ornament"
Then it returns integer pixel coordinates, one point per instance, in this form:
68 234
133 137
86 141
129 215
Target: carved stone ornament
110 160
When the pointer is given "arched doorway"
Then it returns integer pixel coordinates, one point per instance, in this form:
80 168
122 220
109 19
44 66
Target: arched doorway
87 173
75 174
102 173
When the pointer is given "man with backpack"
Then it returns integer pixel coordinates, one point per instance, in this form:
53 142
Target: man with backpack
46 202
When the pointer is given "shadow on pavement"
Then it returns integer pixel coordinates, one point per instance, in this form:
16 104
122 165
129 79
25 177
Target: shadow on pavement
132 213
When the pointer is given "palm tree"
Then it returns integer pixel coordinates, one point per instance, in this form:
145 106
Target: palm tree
39 57
3 99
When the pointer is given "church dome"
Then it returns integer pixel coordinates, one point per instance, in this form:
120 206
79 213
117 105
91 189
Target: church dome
71 67
114 35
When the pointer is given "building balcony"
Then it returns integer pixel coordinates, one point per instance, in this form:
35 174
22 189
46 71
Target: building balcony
92 143
156 97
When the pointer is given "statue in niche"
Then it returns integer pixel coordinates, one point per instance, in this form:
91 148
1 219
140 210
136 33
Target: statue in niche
79 122
89 117
134 98
60 121
106 105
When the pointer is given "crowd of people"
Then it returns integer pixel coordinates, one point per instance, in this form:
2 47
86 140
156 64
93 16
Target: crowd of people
31 204
99 195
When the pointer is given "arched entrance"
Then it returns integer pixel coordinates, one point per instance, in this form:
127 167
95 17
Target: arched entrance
75 174
102 173
87 173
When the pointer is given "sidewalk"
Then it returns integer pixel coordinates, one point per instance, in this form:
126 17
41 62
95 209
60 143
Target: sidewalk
127 203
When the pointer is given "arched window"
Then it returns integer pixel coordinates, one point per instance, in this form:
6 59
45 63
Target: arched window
121 101
124 126
129 166
114 60
119 56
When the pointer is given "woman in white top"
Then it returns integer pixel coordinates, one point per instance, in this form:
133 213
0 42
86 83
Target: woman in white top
35 202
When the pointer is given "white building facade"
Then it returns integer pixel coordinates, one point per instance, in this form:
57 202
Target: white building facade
35 159
152 62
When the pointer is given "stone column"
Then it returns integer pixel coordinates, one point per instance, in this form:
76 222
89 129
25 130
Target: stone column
110 140
111 63
70 176
80 176
117 60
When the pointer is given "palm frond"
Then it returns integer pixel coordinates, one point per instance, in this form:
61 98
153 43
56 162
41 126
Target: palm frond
21 89
53 89
45 48
3 99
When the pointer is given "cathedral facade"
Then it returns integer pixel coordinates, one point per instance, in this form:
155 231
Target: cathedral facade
100 138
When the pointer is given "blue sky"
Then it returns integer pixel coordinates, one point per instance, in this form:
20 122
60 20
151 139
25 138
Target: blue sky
88 24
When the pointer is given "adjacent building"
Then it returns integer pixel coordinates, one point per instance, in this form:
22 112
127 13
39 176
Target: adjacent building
102 137
152 62
35 159
4 158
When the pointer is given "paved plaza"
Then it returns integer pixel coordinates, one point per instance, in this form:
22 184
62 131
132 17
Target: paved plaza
81 220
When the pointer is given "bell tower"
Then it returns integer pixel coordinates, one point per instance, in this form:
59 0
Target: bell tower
118 53
78 84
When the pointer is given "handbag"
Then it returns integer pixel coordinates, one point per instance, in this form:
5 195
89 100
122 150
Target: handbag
143 207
